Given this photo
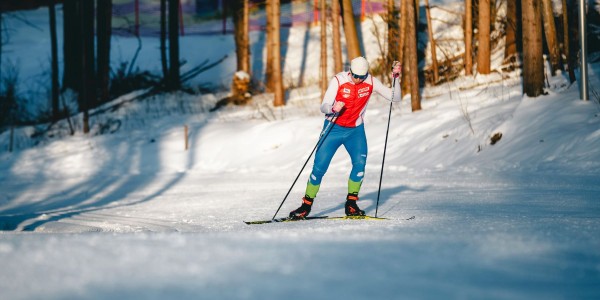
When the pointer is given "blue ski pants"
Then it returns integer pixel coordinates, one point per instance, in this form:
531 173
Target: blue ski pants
355 142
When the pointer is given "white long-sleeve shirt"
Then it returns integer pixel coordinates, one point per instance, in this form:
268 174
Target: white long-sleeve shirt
355 97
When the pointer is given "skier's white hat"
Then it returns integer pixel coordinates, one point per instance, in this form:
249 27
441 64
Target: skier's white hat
359 66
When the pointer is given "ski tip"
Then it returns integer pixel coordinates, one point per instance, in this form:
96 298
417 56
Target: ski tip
257 222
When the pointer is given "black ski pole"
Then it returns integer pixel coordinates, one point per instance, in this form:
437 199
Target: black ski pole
322 137
385 146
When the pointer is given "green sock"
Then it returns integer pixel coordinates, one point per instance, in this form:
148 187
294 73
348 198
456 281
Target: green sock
354 186
312 190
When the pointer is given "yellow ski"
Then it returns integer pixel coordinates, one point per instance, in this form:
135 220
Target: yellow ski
356 218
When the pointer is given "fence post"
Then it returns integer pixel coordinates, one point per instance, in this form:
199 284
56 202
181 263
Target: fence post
186 130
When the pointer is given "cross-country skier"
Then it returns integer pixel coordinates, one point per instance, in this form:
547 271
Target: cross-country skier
344 106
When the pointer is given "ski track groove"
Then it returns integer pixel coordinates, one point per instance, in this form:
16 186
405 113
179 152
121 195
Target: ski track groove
114 223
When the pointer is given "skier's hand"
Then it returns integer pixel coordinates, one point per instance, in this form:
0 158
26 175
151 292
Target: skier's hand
338 106
396 69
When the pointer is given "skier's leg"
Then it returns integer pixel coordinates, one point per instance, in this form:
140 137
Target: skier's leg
323 158
329 145
356 145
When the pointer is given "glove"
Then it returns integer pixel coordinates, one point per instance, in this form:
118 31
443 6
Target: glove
396 69
338 106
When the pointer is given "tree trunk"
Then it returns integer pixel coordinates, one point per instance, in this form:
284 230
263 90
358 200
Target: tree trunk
493 15
411 38
393 34
402 32
533 63
71 45
270 53
174 77
417 12
572 40
468 37
163 42
352 43
403 43
104 12
565 24
276 48
550 32
510 48
324 78
338 66
54 53
88 87
1 39
434 64
242 45
483 37
246 53
240 85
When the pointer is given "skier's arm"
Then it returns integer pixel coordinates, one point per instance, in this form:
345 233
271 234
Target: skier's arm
385 91
329 97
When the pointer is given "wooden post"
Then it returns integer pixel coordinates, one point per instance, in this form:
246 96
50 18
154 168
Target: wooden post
186 130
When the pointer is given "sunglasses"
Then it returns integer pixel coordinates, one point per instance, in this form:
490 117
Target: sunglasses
361 77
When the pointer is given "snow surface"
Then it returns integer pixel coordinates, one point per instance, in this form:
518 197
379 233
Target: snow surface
132 214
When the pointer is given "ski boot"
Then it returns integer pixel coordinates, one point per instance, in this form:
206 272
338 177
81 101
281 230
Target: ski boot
351 207
302 211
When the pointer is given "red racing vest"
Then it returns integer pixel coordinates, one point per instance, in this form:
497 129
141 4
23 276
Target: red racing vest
355 98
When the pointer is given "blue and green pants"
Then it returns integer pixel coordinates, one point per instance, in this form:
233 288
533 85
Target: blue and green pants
355 142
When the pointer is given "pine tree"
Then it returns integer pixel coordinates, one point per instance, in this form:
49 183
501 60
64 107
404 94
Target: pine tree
468 37
411 40
336 37
483 38
54 53
550 32
104 32
352 43
173 24
274 44
324 78
533 64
